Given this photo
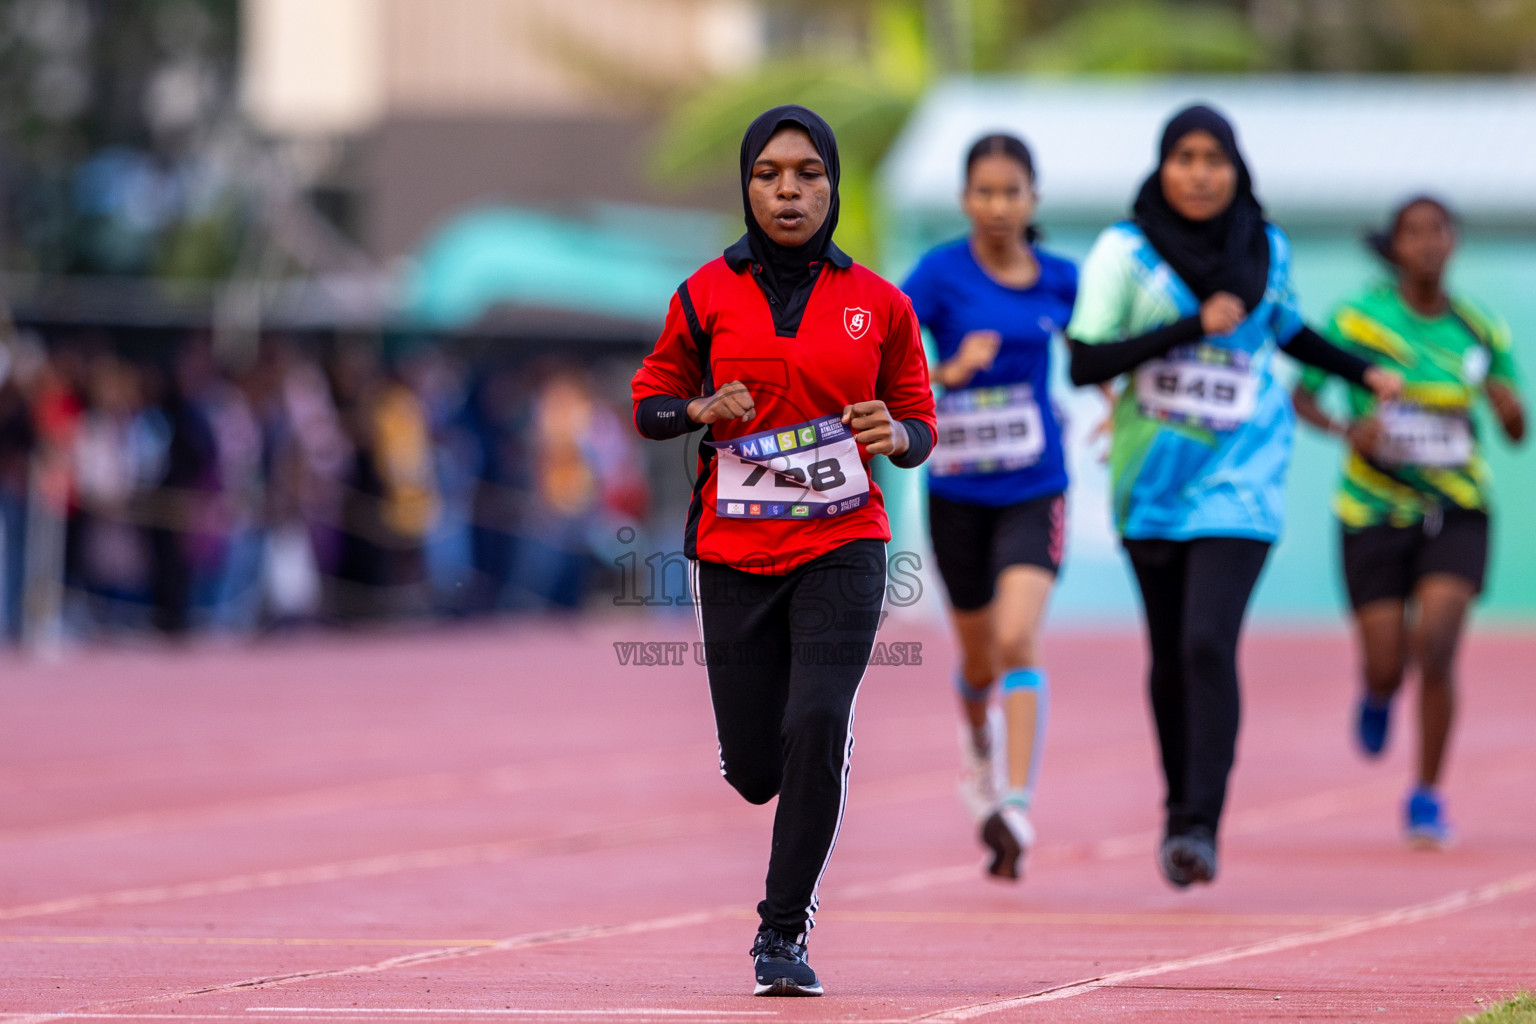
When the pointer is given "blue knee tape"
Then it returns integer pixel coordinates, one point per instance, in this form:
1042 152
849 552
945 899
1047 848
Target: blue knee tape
969 692
1030 680
1024 679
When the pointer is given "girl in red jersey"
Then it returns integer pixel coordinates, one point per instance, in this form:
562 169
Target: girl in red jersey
822 370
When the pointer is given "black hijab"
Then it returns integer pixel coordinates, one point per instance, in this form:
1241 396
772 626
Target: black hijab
786 269
1229 252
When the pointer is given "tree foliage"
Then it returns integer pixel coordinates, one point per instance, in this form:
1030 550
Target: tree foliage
867 96
1145 36
866 100
866 90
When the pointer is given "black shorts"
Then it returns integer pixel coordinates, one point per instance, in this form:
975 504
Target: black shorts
972 544
1386 562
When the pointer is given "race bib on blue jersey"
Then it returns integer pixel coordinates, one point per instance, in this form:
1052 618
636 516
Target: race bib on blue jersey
1203 386
809 471
987 430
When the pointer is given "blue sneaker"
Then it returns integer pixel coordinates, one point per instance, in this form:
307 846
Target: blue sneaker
779 966
1427 827
1371 726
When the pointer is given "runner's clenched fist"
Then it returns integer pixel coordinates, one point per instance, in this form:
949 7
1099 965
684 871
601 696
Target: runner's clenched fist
875 428
732 402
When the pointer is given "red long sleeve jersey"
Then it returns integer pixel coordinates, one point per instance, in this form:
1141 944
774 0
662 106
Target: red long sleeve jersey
857 340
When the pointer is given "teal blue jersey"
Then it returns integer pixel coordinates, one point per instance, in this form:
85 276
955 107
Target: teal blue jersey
1202 436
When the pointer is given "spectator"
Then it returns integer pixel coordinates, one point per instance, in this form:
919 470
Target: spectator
19 366
391 502
184 497
181 494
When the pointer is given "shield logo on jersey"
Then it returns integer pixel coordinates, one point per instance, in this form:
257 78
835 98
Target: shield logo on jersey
857 321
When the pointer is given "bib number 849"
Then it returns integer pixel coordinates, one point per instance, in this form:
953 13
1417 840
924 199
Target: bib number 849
1218 397
1217 392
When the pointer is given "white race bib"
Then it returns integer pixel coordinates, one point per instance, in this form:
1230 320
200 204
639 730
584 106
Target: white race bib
1214 395
809 471
988 430
1416 436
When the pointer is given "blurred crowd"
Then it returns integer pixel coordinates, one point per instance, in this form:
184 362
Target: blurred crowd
315 484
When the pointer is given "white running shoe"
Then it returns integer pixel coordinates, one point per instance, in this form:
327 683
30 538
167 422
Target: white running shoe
978 774
1009 835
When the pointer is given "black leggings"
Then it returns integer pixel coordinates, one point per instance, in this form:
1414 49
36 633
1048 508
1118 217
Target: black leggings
786 654
1195 594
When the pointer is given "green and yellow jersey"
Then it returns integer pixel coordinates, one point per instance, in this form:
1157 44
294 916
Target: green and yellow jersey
1432 458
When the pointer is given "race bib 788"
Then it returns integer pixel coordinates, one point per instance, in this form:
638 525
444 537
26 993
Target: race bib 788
811 470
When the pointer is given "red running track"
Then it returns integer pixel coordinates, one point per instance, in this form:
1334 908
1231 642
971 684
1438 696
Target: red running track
505 824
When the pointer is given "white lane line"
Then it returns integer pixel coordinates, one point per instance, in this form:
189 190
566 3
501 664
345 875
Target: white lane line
665 827
1318 805
1299 809
1248 822
218 940
430 787
288 1014
623 1011
1241 822
900 883
365 867
357 1014
1456 901
1254 820
254 1013
547 938
325 800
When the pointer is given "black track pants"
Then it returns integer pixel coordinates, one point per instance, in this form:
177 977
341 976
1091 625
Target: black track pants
1195 594
785 656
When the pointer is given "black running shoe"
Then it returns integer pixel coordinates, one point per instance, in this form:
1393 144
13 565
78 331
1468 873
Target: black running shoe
1189 858
780 966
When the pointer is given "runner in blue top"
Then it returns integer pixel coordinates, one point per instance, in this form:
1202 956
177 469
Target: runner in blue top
1193 298
992 302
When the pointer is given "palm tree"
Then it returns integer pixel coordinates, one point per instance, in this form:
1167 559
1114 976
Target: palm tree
868 95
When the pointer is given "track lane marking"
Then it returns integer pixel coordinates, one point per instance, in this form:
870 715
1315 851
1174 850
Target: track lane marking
899 883
255 1013
438 955
1321 805
866 916
367 793
1047 918
323 800
1314 806
877 793
354 1014
621 1011
663 827
1462 899
215 940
